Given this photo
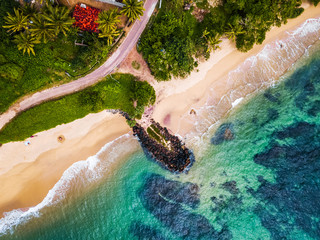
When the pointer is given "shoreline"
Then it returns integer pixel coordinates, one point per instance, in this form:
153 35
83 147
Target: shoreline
210 84
36 168
33 170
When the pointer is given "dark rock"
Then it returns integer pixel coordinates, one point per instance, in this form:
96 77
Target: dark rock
231 187
294 131
294 196
314 109
171 213
254 120
145 232
178 159
272 115
224 133
270 97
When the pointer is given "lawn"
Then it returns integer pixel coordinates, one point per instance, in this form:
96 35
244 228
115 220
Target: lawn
119 91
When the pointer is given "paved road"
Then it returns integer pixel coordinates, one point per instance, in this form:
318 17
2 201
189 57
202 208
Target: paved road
116 58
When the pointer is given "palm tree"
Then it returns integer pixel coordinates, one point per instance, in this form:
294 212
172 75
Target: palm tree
16 22
214 42
29 9
58 18
205 33
133 9
108 20
40 29
233 31
26 42
110 34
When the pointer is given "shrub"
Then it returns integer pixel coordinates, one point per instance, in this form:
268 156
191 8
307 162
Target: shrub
135 65
11 71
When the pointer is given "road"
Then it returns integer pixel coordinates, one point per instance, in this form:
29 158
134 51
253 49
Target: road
116 58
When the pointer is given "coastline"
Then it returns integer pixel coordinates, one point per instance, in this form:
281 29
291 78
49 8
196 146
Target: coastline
33 170
210 84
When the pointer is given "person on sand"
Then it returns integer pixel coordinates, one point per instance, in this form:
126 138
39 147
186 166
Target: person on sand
27 143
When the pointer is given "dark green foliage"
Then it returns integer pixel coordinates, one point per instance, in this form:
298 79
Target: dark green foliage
5 6
50 64
11 71
176 39
249 20
145 95
116 92
153 134
315 2
170 45
131 123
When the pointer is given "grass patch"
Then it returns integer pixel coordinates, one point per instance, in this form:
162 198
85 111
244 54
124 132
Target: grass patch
135 65
154 132
118 91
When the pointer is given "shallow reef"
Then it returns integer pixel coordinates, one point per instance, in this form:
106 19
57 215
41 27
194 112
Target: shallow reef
169 200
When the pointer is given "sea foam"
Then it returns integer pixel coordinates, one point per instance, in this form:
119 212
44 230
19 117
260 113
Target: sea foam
254 74
81 173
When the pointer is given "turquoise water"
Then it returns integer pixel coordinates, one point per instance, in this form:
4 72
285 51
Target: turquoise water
262 184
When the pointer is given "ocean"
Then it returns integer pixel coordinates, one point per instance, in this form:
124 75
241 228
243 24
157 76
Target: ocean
260 182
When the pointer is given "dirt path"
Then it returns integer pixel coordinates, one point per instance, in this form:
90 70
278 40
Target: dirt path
116 58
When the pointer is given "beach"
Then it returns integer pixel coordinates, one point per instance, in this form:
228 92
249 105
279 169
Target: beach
178 97
29 172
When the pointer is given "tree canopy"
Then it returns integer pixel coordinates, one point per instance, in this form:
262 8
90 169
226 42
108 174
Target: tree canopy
133 9
177 39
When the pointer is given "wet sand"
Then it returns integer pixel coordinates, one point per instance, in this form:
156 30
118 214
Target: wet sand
29 172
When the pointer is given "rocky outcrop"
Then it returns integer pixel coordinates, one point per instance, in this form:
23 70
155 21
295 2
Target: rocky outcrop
224 133
175 157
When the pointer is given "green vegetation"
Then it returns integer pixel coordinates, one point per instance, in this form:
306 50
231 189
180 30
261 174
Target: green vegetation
247 21
16 22
133 9
180 36
58 19
135 65
173 40
118 91
315 2
154 132
108 21
57 58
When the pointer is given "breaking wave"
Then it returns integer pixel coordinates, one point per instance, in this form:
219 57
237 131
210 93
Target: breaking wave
78 176
254 74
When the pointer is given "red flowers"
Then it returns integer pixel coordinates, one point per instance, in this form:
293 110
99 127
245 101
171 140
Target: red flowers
86 17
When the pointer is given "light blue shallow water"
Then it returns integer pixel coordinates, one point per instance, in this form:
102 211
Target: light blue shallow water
262 184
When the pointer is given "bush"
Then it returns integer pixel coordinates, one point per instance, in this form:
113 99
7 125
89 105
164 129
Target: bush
11 71
135 65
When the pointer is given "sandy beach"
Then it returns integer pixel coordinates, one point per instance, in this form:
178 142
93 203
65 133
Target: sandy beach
210 83
27 173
